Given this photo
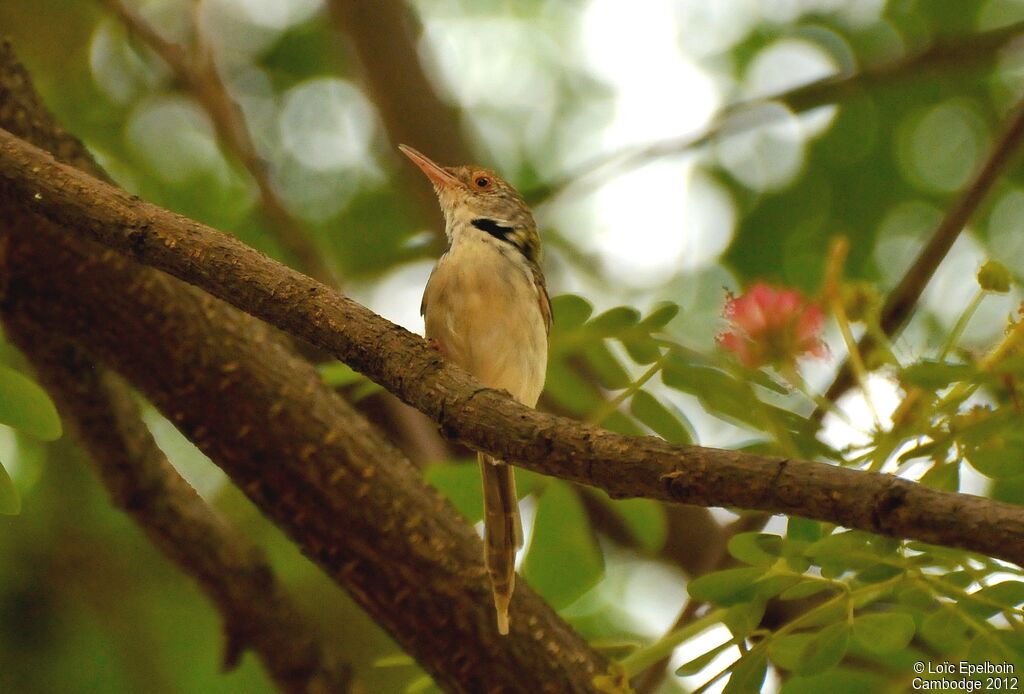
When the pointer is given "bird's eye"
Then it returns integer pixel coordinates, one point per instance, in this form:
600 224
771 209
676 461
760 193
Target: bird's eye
482 182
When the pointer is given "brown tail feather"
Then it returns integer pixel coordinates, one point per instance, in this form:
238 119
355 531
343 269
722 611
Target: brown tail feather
503 533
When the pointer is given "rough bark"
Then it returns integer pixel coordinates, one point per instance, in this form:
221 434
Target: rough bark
258 613
486 419
298 451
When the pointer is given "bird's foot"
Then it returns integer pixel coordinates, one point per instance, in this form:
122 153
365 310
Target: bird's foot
435 344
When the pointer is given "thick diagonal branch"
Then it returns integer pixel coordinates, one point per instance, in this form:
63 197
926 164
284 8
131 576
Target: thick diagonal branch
486 419
258 613
298 451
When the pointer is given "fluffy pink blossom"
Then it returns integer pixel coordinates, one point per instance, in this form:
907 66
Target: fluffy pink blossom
769 325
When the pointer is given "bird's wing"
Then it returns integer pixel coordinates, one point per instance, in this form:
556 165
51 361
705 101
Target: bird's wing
426 288
543 301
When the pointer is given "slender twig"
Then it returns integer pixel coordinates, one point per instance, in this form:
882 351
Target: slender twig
640 660
257 612
961 324
607 407
198 74
903 298
957 54
833 278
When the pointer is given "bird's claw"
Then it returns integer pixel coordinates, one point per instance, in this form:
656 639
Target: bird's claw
435 344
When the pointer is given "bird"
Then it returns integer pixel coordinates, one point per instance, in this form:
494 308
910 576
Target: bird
486 308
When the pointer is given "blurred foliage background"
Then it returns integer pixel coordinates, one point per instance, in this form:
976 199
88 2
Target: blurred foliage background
672 151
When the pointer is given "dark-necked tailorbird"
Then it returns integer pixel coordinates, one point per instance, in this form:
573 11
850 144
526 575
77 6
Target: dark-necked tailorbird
487 309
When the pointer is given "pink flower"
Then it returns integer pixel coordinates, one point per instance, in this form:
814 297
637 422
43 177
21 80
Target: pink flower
772 326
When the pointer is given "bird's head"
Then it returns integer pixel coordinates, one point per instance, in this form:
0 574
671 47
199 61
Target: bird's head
472 197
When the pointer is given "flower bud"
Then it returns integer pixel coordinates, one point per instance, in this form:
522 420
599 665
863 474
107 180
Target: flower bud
994 277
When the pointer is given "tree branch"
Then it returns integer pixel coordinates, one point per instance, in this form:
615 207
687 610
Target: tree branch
958 54
297 450
199 75
486 419
257 612
900 302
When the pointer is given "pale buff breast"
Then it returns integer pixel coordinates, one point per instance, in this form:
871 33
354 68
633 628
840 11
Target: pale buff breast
481 305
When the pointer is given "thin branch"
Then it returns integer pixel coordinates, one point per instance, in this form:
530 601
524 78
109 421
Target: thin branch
486 419
901 301
257 612
959 54
298 451
198 74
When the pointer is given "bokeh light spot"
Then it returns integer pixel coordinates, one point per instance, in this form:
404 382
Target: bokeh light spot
939 149
327 124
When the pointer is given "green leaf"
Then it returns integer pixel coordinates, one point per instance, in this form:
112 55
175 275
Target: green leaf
744 618
722 395
838 680
1007 593
772 585
758 549
992 599
957 579
666 421
614 321
825 649
798 563
842 550
915 597
884 632
642 350
878 572
617 421
660 315
932 375
944 476
694 666
945 630
805 590
337 374
605 365
26 407
460 482
568 389
10 501
645 520
747 674
803 529
999 455
726 587
788 651
807 654
570 311
564 560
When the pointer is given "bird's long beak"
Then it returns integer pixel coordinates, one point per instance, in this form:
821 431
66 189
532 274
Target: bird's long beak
437 175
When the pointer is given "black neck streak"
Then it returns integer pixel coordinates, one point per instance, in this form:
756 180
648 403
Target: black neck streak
498 231
503 233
